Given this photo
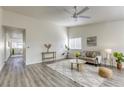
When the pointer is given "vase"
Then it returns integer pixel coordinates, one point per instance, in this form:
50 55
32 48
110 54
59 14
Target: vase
76 59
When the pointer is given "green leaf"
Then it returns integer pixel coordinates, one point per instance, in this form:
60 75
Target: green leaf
119 57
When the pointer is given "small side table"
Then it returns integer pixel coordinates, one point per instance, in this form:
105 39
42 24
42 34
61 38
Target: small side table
79 65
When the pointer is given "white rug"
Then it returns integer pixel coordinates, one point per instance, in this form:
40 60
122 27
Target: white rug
88 77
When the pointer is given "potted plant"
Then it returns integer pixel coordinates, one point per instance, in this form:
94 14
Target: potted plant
119 59
66 52
77 55
13 52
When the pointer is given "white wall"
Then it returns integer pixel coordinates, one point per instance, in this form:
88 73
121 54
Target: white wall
38 33
7 46
1 42
109 35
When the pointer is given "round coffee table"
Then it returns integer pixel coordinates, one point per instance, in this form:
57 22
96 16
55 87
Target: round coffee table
79 64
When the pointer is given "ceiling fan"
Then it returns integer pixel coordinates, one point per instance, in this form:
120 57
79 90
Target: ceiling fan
77 14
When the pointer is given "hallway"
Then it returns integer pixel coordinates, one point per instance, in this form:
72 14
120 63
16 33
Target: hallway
12 71
15 74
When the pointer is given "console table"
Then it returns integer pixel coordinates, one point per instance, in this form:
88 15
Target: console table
48 56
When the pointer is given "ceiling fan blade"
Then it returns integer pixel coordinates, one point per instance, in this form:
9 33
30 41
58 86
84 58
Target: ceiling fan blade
87 17
67 11
83 10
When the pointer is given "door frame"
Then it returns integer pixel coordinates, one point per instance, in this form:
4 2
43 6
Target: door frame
24 40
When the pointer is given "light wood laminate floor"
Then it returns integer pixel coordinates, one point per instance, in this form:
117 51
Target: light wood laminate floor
15 74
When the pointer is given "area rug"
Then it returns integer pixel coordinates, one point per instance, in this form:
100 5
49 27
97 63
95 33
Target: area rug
88 77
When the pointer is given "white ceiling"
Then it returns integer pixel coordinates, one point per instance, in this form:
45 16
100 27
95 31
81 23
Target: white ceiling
57 14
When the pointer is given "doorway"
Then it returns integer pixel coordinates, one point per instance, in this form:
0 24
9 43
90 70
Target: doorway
14 43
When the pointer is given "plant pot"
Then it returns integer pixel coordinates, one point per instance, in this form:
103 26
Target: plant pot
77 59
119 66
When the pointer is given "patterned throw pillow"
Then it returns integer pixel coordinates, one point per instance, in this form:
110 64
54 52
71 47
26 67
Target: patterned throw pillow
93 54
83 54
87 54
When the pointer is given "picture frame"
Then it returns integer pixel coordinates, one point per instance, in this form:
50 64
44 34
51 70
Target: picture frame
92 41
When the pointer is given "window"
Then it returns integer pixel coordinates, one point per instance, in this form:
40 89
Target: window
17 45
75 43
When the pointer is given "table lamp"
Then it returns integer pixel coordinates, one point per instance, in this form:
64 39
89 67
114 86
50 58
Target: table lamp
108 53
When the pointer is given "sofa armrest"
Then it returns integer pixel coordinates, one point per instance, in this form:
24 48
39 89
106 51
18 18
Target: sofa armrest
98 58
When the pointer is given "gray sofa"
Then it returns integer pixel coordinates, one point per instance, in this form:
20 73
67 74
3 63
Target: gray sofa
93 57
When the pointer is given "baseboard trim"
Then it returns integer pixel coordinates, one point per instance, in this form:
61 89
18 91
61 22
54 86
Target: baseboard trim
49 62
46 62
1 66
3 63
36 62
6 60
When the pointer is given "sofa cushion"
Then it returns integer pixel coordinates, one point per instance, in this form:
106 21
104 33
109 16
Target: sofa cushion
88 54
83 54
88 58
91 54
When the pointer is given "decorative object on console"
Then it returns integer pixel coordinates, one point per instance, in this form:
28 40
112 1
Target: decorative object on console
48 46
119 59
92 41
66 52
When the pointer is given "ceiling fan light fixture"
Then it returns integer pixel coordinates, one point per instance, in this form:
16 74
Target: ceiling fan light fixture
76 14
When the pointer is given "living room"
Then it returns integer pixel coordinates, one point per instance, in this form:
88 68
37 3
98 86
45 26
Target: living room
89 43
107 37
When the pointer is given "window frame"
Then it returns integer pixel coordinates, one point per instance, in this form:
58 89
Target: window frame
75 47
